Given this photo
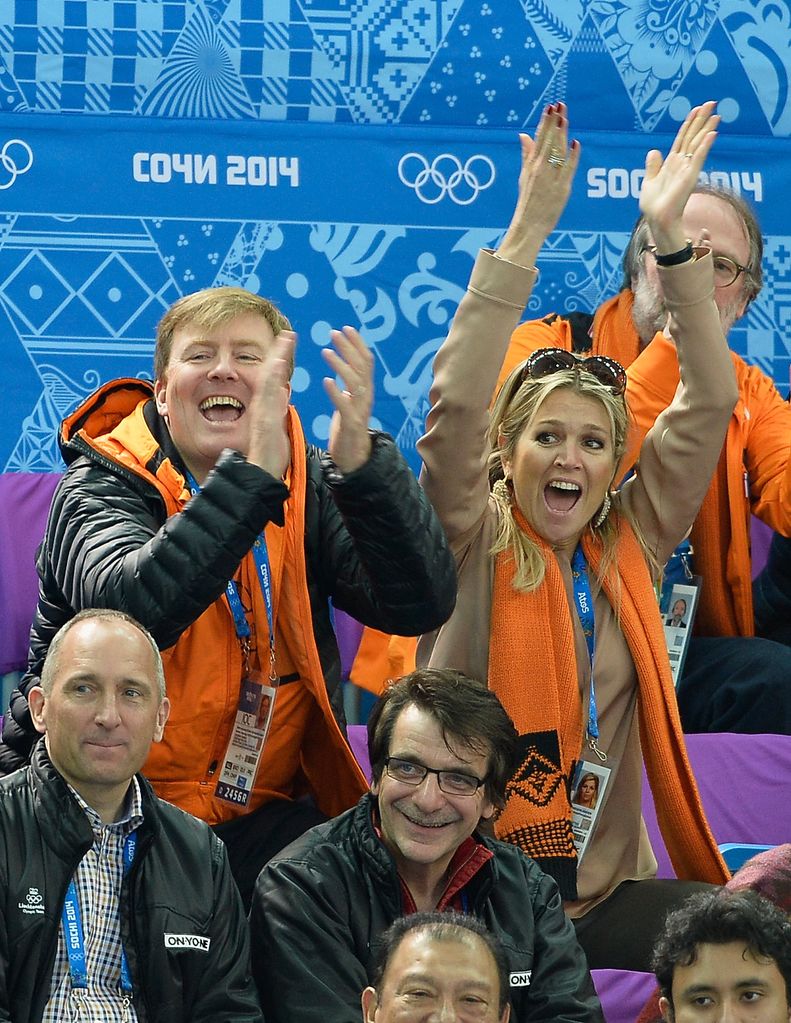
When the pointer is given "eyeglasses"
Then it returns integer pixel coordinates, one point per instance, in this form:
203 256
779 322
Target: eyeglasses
726 270
452 783
545 361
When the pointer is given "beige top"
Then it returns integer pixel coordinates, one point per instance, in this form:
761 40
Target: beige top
677 459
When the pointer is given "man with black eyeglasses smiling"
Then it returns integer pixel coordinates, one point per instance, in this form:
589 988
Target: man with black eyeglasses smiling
442 749
732 681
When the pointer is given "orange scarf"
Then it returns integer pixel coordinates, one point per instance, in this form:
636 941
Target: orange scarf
537 815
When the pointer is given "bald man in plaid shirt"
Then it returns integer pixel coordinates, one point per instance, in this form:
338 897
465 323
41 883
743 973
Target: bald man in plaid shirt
117 905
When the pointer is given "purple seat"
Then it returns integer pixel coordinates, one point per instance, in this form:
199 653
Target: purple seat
358 741
348 632
622 993
25 498
760 539
744 783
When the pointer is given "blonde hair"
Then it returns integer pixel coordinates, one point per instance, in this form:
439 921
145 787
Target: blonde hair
514 410
208 309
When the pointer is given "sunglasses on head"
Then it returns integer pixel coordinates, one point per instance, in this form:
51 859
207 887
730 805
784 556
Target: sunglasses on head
545 361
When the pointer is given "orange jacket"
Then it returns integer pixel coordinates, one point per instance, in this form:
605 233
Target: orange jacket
204 669
753 474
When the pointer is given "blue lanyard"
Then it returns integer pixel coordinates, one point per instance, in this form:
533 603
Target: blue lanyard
261 559
75 939
584 602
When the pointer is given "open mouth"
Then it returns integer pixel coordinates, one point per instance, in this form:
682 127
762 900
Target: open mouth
561 495
221 408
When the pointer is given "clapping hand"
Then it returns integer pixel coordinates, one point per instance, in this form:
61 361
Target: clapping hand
269 446
350 359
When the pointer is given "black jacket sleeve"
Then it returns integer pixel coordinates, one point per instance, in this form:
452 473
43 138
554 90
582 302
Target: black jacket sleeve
108 544
303 948
227 992
561 989
383 556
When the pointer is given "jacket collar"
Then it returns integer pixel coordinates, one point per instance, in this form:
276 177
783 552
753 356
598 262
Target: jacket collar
381 865
63 825
101 411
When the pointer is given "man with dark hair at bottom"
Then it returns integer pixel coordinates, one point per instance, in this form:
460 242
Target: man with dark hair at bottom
732 681
442 750
438 966
725 957
116 906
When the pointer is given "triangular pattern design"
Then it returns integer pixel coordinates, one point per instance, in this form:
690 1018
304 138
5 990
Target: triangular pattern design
602 255
491 64
555 25
761 37
716 72
653 47
341 60
381 49
198 78
286 71
12 99
193 252
589 68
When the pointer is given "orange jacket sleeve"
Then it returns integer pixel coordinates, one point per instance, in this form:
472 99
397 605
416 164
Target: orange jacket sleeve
767 456
381 657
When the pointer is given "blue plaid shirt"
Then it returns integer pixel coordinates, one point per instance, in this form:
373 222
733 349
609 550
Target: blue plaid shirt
98 878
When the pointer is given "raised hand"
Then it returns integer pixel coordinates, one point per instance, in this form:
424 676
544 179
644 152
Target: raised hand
269 446
668 183
548 167
350 359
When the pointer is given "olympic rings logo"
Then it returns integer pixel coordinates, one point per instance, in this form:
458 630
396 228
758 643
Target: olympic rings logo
16 157
446 175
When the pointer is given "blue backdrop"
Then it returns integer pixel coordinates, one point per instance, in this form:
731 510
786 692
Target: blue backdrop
148 149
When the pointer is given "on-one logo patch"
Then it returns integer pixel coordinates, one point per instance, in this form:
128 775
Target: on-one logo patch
187 941
34 903
520 979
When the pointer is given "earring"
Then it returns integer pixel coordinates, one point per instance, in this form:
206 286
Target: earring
501 489
604 511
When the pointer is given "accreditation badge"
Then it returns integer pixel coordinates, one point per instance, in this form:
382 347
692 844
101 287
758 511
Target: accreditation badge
588 791
246 746
678 608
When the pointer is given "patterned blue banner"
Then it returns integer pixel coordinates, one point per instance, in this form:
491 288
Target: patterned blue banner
347 161
446 178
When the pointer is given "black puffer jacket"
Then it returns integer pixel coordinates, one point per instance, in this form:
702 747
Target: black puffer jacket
372 542
179 883
321 903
